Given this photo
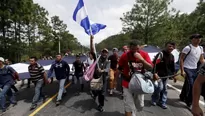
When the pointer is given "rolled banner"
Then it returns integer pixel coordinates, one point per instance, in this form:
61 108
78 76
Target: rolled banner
88 75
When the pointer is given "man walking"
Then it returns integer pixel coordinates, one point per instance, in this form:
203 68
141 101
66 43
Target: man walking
140 61
101 73
38 77
114 74
190 56
7 74
62 71
79 68
164 66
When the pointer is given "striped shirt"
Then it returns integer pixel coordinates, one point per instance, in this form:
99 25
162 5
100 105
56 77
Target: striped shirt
36 72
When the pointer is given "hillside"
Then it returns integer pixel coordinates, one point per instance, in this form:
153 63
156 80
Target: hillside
117 41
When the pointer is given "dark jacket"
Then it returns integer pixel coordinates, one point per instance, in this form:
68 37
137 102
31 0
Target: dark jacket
164 63
6 76
79 68
62 69
103 64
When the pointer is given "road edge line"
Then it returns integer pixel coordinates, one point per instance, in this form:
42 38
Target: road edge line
178 90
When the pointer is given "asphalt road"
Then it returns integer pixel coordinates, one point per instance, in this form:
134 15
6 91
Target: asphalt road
84 105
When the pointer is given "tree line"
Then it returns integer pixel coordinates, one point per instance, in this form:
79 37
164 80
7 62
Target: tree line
155 22
26 29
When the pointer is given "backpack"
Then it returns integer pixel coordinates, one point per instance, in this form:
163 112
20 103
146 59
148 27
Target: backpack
188 53
8 71
140 83
97 82
158 56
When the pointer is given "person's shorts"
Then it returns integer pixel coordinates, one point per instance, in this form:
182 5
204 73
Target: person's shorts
132 101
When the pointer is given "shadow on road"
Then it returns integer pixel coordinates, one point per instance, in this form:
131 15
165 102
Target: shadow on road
116 113
176 103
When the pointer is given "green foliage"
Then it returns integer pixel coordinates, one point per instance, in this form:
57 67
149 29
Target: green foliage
114 41
25 30
151 22
144 17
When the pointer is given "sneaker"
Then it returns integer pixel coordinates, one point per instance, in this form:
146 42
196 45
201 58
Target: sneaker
3 110
164 106
44 99
122 96
188 104
13 102
77 93
100 108
33 106
153 103
82 87
159 104
181 98
190 108
94 97
64 94
111 92
28 86
58 103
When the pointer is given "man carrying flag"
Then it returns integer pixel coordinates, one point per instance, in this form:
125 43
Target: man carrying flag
80 16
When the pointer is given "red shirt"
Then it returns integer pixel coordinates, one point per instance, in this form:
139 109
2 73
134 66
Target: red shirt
123 62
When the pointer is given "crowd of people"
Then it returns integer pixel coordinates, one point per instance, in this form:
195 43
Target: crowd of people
109 68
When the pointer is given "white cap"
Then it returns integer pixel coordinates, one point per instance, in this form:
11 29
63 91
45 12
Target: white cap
2 59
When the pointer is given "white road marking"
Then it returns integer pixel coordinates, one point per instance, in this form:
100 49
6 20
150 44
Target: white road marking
178 90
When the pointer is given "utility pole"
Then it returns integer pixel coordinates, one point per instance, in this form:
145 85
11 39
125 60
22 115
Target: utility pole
59 46
81 49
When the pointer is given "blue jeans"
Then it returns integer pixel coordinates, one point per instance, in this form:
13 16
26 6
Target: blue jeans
38 91
191 77
6 90
160 93
61 89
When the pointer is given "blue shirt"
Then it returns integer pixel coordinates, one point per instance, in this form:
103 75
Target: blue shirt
61 69
6 75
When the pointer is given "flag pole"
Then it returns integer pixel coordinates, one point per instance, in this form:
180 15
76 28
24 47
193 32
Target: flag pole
91 34
94 46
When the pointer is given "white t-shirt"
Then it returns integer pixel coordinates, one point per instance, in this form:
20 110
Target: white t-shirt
193 57
175 53
89 61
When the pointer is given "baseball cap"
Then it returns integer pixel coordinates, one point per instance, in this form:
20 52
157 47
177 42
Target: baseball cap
2 59
115 50
104 50
197 36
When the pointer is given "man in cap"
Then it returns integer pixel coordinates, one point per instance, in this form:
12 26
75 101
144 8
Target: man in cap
7 74
113 73
189 58
101 72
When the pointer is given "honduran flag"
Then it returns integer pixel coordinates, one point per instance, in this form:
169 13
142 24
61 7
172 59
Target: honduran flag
80 16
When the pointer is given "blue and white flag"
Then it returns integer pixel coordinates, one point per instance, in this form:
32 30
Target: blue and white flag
80 16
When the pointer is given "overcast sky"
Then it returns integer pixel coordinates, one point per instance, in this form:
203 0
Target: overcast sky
106 12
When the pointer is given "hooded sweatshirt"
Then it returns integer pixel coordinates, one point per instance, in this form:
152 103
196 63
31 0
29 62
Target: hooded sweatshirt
61 69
